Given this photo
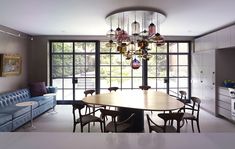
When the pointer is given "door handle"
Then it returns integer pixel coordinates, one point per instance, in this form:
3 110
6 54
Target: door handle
75 80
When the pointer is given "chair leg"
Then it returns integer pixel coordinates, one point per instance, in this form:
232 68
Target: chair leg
81 128
192 125
74 127
101 128
198 126
88 127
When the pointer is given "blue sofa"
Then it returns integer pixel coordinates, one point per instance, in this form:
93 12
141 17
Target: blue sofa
12 116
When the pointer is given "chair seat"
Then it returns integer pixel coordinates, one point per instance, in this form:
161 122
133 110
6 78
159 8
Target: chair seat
89 118
15 111
169 129
120 128
188 116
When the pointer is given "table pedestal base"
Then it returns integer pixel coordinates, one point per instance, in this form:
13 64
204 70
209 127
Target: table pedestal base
138 119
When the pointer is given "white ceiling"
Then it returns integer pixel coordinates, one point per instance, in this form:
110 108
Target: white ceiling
87 17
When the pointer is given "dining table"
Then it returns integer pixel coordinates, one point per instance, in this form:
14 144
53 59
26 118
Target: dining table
136 101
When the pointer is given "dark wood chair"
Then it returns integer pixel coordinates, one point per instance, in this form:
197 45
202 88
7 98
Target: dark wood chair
114 125
192 112
183 96
113 89
91 107
83 119
167 117
144 87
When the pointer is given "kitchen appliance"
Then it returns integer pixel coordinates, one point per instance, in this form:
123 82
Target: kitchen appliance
232 95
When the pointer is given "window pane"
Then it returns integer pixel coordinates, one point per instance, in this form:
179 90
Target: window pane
79 60
80 71
183 59
90 60
59 94
183 71
162 49
57 60
104 82
57 47
160 83
80 47
68 95
68 71
68 83
57 83
183 82
161 71
116 59
137 72
126 71
161 59
57 72
90 47
173 59
151 71
68 47
173 82
68 60
173 71
115 71
126 82
104 59
116 82
183 47
105 71
81 83
152 82
137 82
173 48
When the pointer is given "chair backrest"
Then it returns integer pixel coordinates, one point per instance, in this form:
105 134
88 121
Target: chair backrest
87 92
196 106
171 117
113 89
144 87
114 114
183 95
78 105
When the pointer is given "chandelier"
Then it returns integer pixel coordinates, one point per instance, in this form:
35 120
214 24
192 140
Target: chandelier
131 32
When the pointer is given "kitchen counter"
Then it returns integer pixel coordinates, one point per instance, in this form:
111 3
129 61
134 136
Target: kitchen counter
46 140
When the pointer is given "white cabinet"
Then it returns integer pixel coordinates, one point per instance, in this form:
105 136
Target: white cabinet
203 78
223 38
207 42
232 35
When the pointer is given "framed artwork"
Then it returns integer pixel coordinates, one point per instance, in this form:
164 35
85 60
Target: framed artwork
10 64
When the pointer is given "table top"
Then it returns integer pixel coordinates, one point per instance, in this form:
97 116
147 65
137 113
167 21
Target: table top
145 100
47 140
27 103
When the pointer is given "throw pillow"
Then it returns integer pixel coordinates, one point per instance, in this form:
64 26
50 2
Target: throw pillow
37 89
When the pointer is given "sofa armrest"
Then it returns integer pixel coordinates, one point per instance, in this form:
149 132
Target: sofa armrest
51 89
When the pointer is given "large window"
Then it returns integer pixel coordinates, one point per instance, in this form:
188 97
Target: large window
74 67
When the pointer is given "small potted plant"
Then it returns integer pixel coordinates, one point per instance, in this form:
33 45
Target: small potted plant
229 83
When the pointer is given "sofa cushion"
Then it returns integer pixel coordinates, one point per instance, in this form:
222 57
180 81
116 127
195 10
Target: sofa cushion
5 118
37 89
14 110
42 99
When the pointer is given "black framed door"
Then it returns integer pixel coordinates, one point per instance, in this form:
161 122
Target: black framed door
73 68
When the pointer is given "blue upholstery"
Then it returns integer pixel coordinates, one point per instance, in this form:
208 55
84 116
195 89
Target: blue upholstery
5 118
12 116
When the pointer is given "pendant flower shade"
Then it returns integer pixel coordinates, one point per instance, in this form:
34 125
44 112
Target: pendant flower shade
132 31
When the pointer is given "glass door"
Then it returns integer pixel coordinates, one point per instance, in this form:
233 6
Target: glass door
72 68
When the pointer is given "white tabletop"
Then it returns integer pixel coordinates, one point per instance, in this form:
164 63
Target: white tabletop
27 103
45 140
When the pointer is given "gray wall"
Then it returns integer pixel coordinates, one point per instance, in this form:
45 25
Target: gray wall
225 65
11 43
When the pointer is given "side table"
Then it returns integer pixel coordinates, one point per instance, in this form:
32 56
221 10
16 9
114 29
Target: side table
28 103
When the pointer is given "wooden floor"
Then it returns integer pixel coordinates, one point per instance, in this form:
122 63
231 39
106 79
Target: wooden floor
62 121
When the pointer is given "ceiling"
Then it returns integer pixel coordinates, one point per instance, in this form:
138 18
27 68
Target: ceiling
87 17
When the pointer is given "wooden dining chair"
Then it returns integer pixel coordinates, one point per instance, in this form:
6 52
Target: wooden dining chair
191 112
114 125
113 89
183 96
91 107
167 127
144 87
83 119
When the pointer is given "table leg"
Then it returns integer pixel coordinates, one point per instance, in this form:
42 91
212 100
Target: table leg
138 120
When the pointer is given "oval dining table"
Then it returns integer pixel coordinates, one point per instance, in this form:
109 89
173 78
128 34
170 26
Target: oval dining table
136 101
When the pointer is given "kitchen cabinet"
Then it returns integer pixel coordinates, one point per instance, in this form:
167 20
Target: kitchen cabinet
203 78
207 42
224 103
223 38
232 35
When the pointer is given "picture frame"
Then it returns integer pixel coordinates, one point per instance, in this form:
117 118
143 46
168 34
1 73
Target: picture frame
10 65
